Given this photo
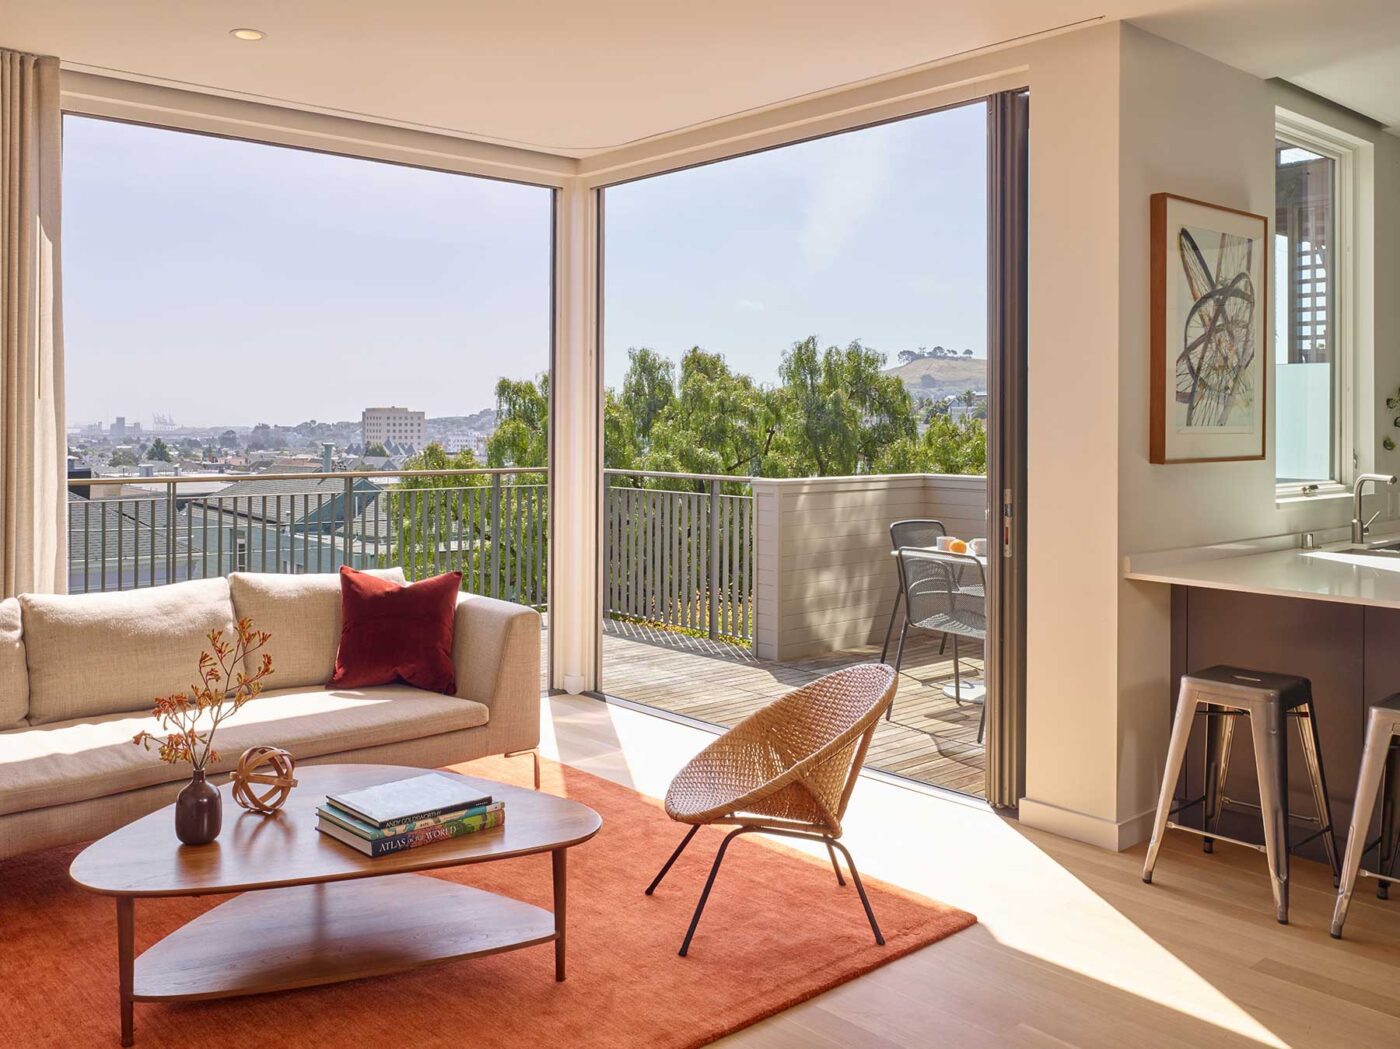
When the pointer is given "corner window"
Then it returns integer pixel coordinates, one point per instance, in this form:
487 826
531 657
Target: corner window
1313 356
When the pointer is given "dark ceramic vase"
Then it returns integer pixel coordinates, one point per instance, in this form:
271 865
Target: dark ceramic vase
199 811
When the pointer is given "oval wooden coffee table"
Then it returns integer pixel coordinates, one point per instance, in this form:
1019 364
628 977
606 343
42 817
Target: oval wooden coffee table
315 910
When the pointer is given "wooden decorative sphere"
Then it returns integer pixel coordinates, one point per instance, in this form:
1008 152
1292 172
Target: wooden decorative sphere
261 767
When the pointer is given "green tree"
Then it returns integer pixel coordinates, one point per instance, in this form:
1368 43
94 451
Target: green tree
122 457
159 451
378 450
261 438
648 388
522 424
838 411
438 523
945 447
718 422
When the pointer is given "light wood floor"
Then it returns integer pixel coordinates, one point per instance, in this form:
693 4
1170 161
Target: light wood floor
1072 950
930 738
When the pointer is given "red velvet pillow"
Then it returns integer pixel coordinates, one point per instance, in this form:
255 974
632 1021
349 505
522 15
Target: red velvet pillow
390 632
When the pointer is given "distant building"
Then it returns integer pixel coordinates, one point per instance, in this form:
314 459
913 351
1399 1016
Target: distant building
392 424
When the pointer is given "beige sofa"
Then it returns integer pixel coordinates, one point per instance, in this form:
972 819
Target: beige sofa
78 674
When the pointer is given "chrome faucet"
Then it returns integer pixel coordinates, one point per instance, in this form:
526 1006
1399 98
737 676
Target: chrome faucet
1360 528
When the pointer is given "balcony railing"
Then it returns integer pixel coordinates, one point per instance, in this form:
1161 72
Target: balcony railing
679 551
679 547
489 524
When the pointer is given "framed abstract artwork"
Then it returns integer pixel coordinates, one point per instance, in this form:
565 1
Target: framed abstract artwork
1209 312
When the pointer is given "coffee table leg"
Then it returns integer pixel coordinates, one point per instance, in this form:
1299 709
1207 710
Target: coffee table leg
560 907
126 944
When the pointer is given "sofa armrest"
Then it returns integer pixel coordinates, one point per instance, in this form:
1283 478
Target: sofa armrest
496 659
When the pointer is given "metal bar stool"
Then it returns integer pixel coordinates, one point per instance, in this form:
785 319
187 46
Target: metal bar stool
1268 700
1380 772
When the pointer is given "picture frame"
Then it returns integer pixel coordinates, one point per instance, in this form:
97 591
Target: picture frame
1209 316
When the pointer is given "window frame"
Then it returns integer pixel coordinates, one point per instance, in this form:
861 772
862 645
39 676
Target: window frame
1344 151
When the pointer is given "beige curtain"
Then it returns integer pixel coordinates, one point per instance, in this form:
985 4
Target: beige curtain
33 445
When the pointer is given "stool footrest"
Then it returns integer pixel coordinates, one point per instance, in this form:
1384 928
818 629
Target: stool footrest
1213 836
1297 817
1182 806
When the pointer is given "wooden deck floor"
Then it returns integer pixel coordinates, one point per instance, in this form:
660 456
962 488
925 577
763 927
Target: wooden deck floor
931 738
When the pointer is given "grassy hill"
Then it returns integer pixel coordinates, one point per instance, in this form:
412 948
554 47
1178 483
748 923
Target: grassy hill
937 377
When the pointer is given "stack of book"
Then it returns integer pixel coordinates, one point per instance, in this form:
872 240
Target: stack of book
407 813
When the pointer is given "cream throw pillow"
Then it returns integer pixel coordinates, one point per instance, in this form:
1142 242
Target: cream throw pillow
302 613
105 653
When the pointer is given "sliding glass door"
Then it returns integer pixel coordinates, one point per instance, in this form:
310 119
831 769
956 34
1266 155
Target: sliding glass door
796 360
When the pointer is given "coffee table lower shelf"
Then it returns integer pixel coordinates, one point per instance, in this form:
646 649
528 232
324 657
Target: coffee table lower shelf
308 935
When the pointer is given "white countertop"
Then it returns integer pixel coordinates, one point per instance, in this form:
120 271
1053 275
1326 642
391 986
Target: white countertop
1327 574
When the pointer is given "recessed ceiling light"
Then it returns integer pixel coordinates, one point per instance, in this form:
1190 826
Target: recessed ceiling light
247 34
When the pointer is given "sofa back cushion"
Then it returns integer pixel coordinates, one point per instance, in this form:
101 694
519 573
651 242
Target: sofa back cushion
302 613
103 653
14 678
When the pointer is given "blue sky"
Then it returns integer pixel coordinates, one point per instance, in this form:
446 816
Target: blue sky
228 283
878 234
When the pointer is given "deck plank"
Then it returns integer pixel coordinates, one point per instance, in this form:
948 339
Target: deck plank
930 738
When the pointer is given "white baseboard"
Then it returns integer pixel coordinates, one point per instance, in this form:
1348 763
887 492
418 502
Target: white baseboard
1094 830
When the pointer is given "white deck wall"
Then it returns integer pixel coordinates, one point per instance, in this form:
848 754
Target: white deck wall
824 577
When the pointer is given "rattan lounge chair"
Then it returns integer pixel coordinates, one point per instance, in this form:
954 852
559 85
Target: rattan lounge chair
787 769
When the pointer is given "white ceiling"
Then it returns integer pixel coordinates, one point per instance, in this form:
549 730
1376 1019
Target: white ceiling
575 76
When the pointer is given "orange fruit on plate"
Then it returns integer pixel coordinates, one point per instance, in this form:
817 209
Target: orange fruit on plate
957 546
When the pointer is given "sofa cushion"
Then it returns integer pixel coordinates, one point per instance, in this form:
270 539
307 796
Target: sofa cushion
396 633
87 758
104 653
302 613
14 678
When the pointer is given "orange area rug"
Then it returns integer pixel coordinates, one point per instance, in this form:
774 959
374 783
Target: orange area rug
777 931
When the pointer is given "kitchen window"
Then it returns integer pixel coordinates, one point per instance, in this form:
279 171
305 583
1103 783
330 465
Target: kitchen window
1314 356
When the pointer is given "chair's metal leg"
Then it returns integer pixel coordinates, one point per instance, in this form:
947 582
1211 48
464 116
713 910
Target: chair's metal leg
898 659
710 884
674 856
835 864
957 674
1271 757
1368 783
1220 736
1312 756
894 614
942 644
1176 755
982 722
1390 813
860 888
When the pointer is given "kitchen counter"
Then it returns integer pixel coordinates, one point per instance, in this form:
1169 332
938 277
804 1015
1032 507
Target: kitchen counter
1331 615
1331 573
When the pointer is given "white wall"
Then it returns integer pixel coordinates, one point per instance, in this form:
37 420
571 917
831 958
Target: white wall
1188 125
1200 129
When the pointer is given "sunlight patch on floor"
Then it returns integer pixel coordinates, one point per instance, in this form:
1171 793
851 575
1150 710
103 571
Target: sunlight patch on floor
962 854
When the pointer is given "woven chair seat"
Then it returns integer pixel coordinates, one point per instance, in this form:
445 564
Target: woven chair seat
792 763
971 622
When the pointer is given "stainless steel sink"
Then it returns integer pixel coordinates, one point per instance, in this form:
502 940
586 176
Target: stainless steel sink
1390 548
